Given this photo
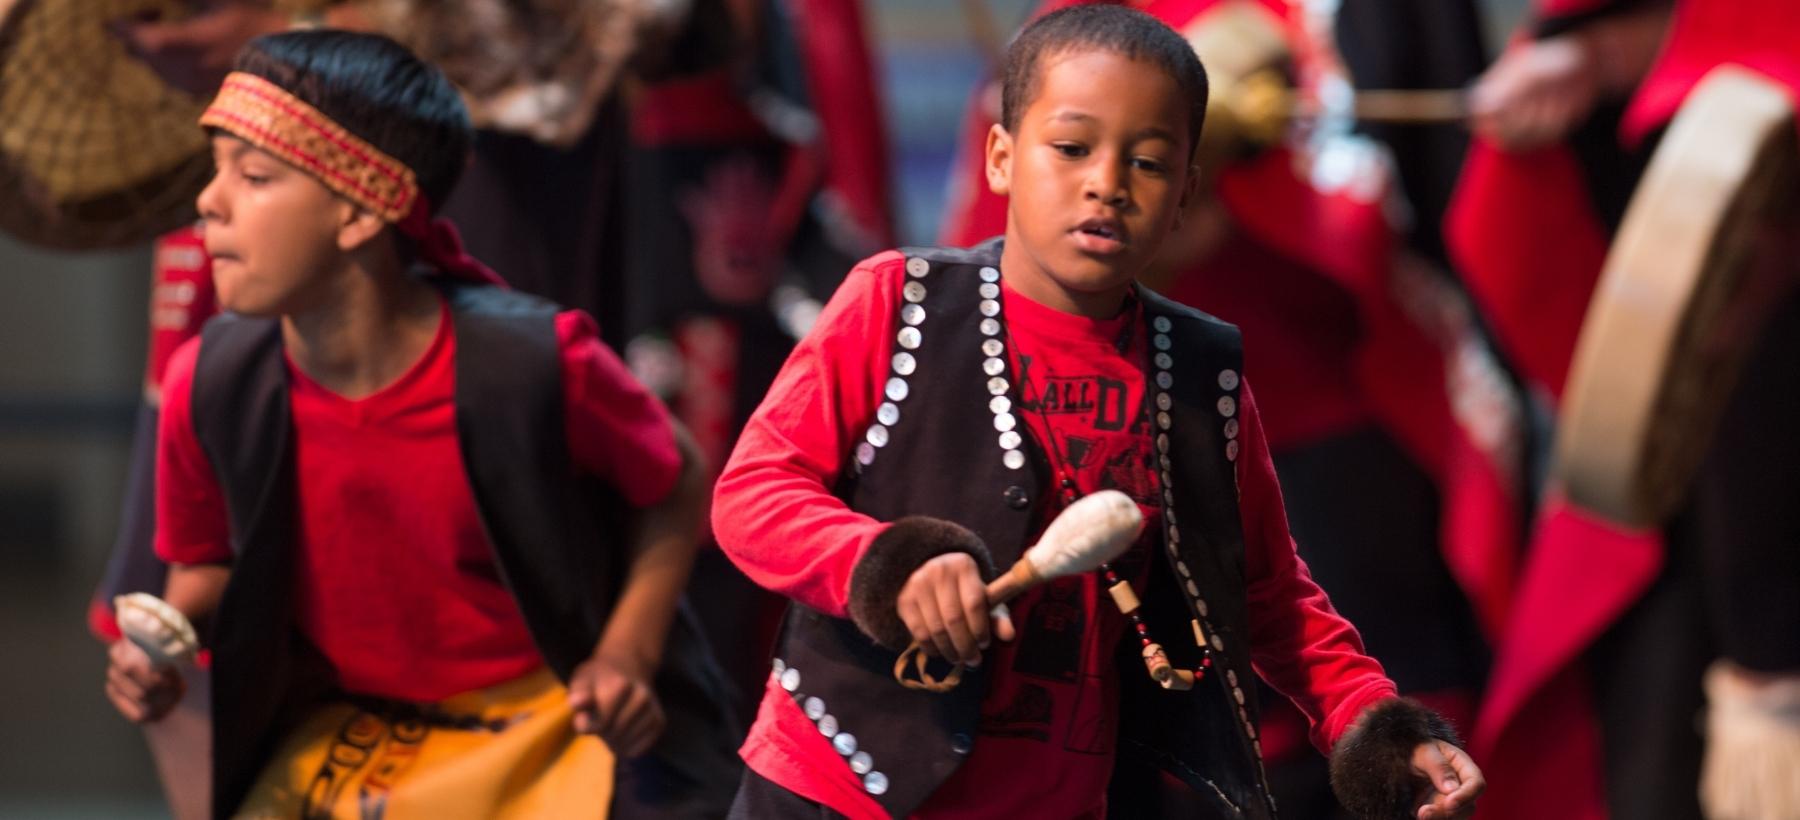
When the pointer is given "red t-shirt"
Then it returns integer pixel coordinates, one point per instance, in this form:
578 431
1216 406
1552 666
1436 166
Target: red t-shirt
1055 702
394 578
774 514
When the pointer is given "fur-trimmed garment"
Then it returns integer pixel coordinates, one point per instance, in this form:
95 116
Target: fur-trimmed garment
892 557
910 399
1371 767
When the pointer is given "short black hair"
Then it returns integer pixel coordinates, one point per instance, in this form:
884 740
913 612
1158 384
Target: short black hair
1124 31
377 90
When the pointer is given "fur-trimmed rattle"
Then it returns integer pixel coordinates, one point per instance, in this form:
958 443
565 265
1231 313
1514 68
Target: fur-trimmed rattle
1092 531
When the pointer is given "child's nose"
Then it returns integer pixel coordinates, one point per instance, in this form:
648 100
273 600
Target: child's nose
1106 184
1110 193
211 201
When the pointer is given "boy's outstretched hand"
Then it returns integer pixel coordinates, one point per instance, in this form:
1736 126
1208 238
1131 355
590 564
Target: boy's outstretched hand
1455 781
944 604
1400 759
613 698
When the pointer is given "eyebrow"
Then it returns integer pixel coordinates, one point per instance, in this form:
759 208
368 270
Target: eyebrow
236 148
1153 132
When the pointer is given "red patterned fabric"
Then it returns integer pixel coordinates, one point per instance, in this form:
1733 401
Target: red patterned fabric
181 299
702 108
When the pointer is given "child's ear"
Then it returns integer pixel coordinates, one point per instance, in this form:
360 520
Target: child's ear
357 226
999 160
1190 192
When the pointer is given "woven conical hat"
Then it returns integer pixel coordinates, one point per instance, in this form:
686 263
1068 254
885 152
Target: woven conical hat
95 150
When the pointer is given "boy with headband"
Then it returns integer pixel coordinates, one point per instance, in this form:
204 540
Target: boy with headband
435 529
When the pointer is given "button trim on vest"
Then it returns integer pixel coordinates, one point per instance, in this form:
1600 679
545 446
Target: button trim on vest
1016 498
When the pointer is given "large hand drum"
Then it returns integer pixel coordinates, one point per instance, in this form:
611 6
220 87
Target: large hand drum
95 150
1678 304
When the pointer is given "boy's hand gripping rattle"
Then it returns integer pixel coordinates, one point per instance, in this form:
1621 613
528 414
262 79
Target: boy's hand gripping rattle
159 629
1090 532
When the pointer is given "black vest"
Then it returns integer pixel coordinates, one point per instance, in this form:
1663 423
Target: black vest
945 444
554 534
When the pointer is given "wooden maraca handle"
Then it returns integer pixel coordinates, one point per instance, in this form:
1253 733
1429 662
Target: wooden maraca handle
1013 583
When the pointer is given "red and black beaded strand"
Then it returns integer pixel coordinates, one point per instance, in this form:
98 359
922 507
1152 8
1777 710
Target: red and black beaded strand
1155 659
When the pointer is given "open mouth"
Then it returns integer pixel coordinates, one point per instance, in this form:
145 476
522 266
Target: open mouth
1100 235
1100 228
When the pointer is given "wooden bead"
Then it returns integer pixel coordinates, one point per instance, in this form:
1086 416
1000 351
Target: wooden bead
1124 597
1157 662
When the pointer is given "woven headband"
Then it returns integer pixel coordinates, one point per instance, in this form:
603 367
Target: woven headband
265 115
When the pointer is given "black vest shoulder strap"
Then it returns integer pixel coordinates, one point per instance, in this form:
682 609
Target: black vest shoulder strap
545 524
241 417
240 374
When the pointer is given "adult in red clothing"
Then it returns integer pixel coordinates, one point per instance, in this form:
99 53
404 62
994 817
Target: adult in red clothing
944 408
1547 175
377 478
755 186
1544 185
1610 663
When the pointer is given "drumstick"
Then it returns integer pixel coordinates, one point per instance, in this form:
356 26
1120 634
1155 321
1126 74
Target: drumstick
1412 106
1090 532
154 626
1406 106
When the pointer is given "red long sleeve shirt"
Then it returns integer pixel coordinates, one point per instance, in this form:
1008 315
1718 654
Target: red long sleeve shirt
775 516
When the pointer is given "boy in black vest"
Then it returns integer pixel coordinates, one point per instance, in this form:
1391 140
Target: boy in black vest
947 405
437 530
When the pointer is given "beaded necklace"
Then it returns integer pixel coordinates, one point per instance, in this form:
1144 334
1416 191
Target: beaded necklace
1156 660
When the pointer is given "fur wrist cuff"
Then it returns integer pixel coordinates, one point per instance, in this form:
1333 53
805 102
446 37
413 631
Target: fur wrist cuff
1371 768
899 550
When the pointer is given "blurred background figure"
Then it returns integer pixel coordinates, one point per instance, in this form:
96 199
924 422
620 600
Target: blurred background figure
754 187
1650 667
